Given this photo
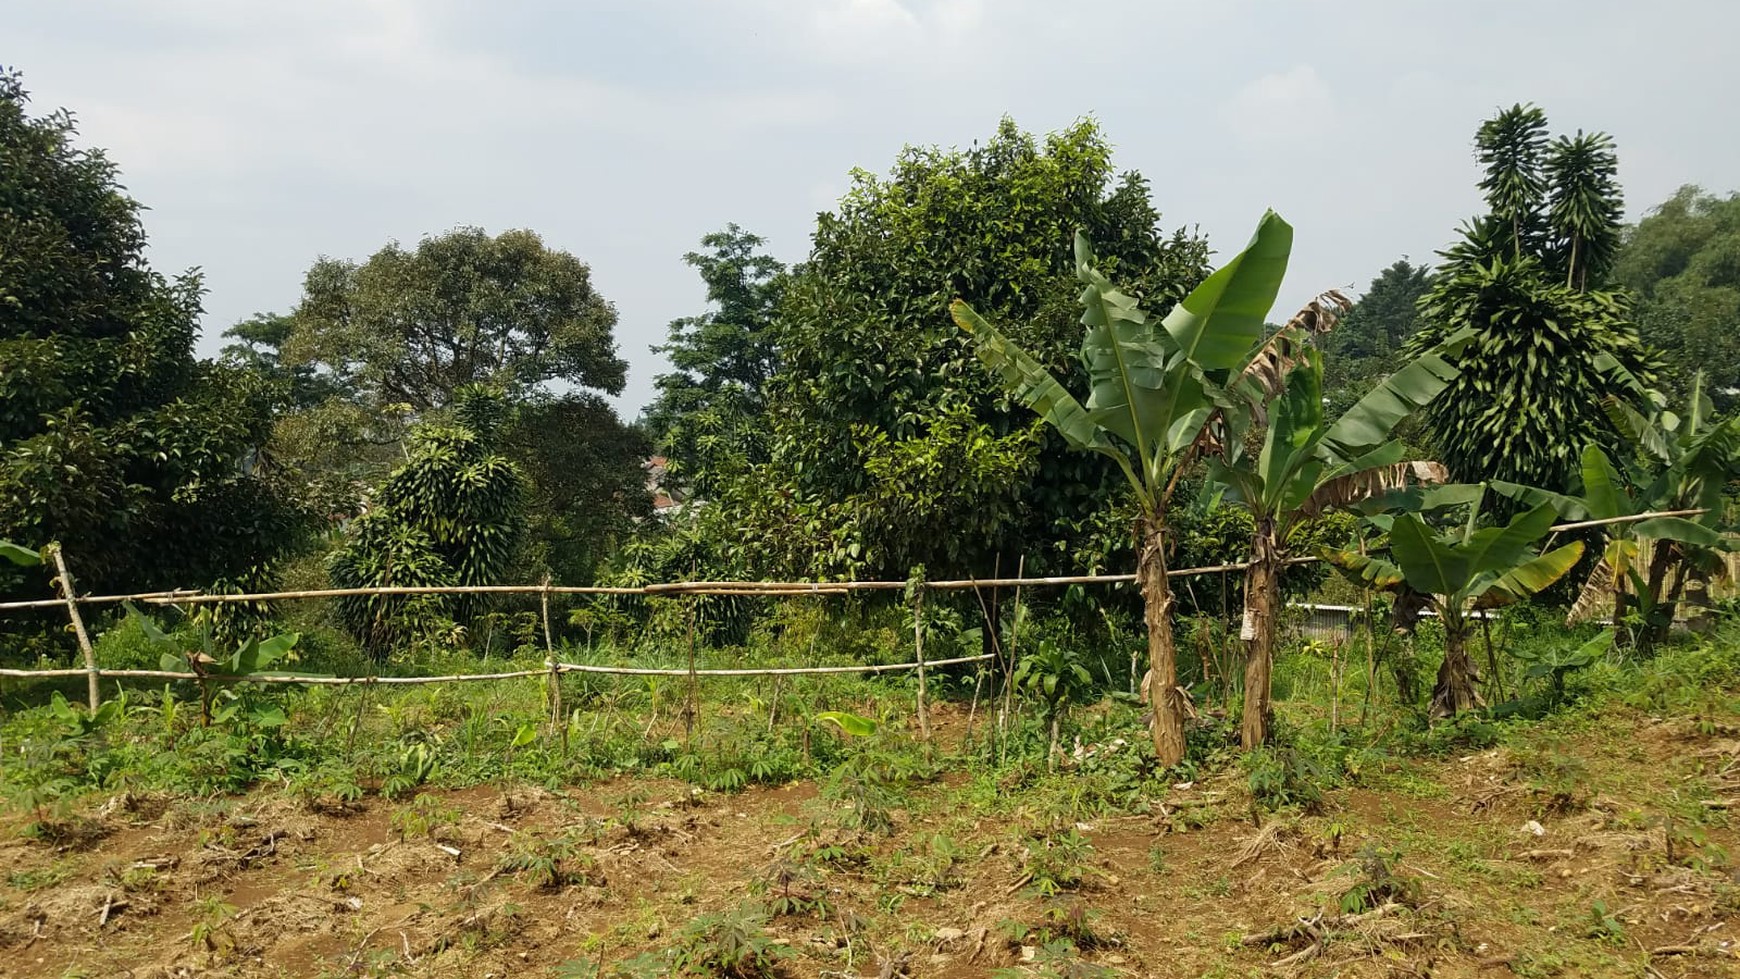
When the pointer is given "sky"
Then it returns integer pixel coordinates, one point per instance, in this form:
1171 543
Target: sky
264 135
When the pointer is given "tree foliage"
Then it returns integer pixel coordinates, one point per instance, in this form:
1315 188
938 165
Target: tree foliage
708 416
585 482
114 439
1682 263
1548 343
1367 344
451 515
414 326
868 363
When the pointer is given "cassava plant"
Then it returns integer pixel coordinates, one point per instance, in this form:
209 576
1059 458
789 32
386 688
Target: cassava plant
1153 385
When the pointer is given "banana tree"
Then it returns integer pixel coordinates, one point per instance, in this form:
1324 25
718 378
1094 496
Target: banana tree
1308 465
1152 390
1677 463
1463 569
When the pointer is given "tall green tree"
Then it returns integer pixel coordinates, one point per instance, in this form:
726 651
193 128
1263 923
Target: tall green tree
1367 343
585 482
1682 265
114 439
708 415
1154 385
415 326
867 363
257 343
1528 279
396 337
452 514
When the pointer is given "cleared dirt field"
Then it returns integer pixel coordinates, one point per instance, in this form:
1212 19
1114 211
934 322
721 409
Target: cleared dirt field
1599 849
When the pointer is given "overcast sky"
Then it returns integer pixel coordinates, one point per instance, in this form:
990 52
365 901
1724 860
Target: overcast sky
263 135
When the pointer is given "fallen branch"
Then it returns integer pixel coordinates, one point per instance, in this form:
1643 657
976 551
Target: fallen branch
1316 926
1546 855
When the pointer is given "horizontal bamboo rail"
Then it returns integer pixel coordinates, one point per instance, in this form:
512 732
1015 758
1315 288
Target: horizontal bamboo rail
552 667
710 588
559 667
763 589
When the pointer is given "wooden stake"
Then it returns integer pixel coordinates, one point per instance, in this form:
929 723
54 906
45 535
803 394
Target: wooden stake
690 709
70 592
918 646
1014 645
555 680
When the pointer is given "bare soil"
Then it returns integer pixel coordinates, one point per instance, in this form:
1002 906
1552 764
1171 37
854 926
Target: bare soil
1615 862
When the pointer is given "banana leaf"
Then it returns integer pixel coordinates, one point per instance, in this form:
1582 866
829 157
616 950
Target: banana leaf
1531 577
1223 318
19 555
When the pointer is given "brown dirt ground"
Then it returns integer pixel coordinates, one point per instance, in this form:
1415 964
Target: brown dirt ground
1620 881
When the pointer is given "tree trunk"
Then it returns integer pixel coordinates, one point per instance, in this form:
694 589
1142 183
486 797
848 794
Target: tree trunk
1262 597
1162 685
1661 608
1454 691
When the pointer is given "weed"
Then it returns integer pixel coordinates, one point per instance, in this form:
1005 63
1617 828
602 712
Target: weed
1378 884
1557 779
1282 777
425 816
1059 959
416 766
1157 859
1602 925
1072 921
211 925
36 880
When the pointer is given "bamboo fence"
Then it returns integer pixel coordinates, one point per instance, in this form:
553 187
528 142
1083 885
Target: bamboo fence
554 667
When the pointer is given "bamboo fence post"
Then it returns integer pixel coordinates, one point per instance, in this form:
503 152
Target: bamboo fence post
1014 645
70 592
918 646
692 706
550 661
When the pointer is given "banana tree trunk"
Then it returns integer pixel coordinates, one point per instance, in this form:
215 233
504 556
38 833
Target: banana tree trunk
1454 691
1162 685
1661 608
1262 598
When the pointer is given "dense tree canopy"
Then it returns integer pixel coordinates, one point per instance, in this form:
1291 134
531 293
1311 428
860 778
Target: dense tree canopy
1548 342
875 387
463 307
452 514
376 348
114 439
1367 344
1682 263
